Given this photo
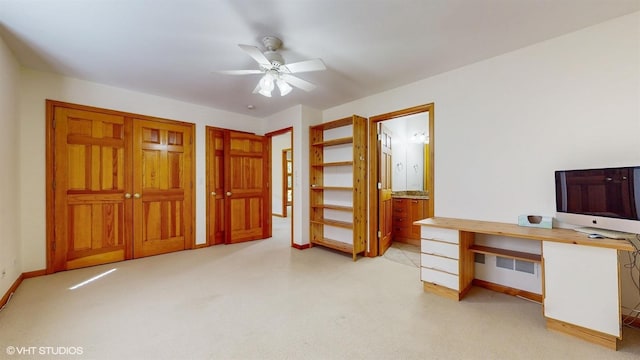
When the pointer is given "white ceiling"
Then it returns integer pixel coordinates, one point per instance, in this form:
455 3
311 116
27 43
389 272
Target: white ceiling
171 48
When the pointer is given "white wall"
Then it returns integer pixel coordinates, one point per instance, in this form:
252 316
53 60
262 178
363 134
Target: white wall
278 143
10 262
38 86
300 118
502 126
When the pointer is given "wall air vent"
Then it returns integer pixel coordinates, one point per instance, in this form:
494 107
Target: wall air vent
525 266
505 263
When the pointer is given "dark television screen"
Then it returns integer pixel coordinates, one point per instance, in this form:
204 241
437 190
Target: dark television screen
609 192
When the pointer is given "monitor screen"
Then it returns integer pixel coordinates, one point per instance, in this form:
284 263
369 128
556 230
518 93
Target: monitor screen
607 192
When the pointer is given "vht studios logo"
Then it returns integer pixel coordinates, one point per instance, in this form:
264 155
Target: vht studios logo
44 350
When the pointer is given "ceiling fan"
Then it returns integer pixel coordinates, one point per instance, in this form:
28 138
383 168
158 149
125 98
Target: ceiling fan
276 72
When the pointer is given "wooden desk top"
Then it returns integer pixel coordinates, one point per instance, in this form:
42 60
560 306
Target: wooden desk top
512 230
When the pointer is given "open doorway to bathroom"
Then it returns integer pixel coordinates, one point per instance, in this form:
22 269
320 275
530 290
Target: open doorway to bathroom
401 168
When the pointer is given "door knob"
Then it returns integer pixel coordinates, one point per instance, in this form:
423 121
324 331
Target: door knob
127 196
213 193
136 196
229 193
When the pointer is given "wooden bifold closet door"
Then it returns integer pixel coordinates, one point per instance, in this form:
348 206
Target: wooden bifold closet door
120 186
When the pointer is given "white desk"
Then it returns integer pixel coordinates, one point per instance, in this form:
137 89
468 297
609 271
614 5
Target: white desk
581 276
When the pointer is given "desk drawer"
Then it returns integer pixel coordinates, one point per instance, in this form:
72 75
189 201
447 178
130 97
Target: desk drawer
440 249
440 278
447 235
439 263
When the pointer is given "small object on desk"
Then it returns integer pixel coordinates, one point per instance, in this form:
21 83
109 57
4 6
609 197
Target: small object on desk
538 221
595 236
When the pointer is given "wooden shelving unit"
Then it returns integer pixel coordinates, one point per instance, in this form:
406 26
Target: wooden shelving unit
338 210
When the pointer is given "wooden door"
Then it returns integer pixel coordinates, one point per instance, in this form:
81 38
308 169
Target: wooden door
162 186
385 202
215 187
247 195
90 174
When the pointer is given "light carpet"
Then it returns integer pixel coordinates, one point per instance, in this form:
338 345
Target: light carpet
266 300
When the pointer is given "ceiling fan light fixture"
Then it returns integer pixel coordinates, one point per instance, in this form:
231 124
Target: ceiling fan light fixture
266 85
274 69
284 87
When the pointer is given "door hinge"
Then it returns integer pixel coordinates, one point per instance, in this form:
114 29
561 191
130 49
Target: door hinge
379 234
379 186
53 123
53 185
53 246
379 136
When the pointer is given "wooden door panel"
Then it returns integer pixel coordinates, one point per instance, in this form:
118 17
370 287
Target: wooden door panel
162 220
246 183
215 187
162 187
385 210
247 221
247 175
96 234
90 177
105 230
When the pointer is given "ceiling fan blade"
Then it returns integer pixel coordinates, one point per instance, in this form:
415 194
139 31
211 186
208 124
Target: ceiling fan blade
256 54
297 82
306 66
239 72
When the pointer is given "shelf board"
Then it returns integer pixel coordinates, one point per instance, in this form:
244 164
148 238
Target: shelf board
338 141
334 244
333 207
346 188
336 223
518 255
334 124
336 163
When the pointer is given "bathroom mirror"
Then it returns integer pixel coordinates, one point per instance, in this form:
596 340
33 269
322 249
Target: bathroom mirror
410 152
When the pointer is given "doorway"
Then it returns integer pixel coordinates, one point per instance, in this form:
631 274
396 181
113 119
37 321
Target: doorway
281 145
382 166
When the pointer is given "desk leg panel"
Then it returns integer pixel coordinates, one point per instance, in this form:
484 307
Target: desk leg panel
582 286
466 261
